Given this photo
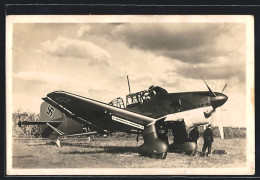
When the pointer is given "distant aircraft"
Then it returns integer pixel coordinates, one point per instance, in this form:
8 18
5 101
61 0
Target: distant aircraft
150 112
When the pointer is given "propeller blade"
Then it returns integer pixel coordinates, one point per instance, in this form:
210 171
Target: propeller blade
224 87
209 88
217 121
221 130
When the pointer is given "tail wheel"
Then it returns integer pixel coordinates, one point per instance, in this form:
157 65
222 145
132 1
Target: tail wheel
159 156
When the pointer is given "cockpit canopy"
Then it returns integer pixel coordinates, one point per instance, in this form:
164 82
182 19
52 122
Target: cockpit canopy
139 97
144 96
118 102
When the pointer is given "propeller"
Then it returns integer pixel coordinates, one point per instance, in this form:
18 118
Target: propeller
220 125
216 101
212 93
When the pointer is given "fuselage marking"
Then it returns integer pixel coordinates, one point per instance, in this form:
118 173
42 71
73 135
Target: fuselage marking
124 121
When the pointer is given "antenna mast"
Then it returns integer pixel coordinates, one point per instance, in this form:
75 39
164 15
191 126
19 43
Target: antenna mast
128 85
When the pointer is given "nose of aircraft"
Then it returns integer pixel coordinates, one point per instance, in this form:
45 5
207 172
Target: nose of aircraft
219 100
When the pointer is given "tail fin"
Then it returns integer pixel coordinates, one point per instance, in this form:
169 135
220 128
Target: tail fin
68 125
49 113
54 123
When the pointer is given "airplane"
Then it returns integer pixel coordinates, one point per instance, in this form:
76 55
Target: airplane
150 112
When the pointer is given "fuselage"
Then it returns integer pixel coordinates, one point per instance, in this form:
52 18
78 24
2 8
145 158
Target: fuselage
161 105
194 108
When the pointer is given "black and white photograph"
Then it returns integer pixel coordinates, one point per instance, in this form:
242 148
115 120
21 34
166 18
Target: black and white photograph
130 95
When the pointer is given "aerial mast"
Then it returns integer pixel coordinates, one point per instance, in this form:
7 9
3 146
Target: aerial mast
128 85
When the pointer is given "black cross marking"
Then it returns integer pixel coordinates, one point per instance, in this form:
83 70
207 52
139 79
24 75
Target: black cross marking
50 110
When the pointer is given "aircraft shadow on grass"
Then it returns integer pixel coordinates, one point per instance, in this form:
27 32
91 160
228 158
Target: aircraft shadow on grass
112 149
106 149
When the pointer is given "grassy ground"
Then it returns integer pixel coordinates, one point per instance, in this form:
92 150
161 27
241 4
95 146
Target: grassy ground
119 153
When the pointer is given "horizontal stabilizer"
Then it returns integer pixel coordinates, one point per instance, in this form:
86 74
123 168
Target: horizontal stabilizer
22 123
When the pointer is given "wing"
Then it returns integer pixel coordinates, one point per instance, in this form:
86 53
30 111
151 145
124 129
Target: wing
100 114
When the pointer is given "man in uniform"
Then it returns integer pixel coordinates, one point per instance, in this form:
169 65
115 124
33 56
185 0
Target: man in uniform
193 137
208 140
162 133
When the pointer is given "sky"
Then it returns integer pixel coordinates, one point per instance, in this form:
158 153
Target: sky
93 60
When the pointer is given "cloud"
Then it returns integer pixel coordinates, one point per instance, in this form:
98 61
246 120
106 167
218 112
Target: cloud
40 77
99 29
212 72
28 87
190 43
83 30
26 102
219 68
42 83
162 36
213 50
65 47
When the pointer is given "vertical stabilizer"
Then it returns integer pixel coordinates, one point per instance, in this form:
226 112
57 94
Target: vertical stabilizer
49 113
68 125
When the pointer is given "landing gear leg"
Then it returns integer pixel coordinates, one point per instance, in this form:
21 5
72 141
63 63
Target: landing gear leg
153 146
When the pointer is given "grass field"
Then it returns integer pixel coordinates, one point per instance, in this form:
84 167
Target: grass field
119 153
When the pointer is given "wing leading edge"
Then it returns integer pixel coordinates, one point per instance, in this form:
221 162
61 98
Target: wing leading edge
99 114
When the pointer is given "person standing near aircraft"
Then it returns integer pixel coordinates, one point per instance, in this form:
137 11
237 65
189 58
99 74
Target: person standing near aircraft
208 140
162 133
194 135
